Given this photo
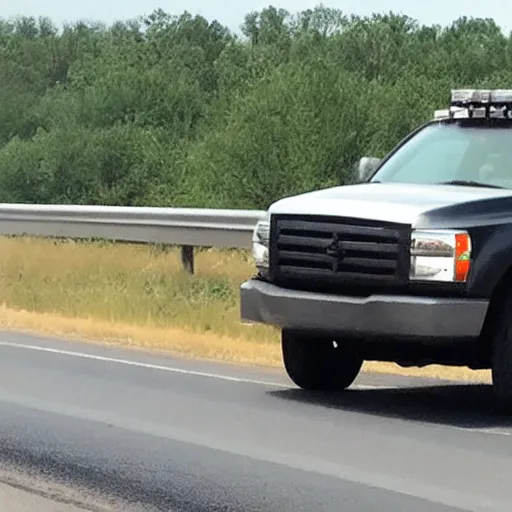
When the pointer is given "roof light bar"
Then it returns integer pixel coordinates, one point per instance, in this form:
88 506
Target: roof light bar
501 96
464 97
481 104
442 113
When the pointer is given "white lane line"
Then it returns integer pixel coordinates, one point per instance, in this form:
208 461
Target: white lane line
170 369
489 431
367 386
69 353
138 364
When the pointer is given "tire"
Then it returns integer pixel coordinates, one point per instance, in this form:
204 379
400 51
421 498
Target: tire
501 362
318 364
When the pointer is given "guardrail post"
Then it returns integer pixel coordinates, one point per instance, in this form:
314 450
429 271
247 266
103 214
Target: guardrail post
187 258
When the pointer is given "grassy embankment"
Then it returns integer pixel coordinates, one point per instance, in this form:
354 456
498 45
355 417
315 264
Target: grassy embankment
138 296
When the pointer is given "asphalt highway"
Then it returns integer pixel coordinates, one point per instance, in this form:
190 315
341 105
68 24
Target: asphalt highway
101 428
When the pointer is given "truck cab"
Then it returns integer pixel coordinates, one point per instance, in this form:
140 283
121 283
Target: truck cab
412 264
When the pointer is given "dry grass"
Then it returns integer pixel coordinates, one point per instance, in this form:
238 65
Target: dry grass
136 285
139 296
178 341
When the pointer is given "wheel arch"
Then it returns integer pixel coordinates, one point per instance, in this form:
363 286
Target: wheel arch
501 289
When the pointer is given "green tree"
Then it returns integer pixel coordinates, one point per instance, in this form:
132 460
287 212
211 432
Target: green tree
177 110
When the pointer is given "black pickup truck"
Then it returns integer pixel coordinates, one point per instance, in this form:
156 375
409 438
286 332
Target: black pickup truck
413 264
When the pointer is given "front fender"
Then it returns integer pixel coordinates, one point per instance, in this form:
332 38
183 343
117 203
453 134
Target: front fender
492 250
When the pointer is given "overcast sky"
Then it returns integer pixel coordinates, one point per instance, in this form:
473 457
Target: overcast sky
231 12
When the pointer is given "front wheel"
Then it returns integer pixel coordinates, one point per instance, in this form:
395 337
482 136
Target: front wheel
316 363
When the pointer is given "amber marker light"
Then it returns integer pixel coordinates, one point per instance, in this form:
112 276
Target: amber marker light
462 256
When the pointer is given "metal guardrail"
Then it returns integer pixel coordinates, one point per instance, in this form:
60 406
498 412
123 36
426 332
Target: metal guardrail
184 227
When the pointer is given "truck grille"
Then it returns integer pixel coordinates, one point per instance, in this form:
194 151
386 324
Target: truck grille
313 251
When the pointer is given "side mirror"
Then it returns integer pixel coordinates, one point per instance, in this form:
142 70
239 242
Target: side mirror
366 166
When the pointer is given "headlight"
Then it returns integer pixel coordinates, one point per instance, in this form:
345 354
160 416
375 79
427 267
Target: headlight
260 240
440 255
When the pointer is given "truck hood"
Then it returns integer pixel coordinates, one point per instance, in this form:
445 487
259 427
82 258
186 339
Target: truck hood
420 206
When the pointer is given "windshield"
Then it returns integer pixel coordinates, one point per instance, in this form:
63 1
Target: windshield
444 152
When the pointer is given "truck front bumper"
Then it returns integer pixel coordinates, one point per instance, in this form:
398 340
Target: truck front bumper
375 315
